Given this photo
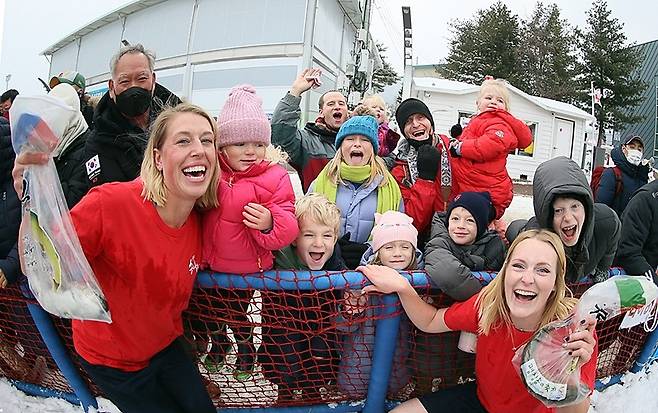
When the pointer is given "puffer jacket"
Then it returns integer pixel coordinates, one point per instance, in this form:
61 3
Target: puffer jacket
423 197
310 148
115 147
597 245
359 339
632 178
449 265
10 207
357 205
482 164
228 245
638 246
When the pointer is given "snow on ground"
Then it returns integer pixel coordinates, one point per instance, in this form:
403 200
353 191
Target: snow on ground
636 394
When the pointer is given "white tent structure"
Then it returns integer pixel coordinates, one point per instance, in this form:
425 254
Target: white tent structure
558 128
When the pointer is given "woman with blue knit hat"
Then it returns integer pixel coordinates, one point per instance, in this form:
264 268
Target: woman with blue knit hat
357 180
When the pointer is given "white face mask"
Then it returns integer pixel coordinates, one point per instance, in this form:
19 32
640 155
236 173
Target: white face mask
634 156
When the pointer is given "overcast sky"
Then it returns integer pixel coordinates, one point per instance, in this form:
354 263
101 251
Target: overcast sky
30 26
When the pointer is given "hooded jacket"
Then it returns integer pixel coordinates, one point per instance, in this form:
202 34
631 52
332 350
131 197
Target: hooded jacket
228 245
10 207
482 164
115 147
638 246
632 178
310 148
450 265
597 244
359 340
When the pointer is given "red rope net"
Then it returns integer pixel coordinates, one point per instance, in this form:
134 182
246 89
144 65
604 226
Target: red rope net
294 347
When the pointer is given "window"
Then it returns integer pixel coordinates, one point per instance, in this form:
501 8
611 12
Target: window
530 149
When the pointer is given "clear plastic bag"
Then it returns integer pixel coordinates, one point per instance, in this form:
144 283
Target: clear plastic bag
58 273
548 371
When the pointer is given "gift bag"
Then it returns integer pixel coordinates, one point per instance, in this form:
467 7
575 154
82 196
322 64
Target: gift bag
548 371
58 273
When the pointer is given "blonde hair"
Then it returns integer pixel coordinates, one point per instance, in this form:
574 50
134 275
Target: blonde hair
378 167
155 188
492 305
317 208
376 99
413 265
499 86
363 110
275 154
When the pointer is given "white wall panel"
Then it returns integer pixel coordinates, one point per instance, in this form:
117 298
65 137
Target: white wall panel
162 28
226 23
329 29
98 47
64 59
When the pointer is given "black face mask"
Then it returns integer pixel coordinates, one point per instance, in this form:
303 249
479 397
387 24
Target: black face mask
134 101
417 144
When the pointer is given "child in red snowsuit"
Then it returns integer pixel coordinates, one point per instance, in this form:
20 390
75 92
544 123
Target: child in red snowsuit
479 161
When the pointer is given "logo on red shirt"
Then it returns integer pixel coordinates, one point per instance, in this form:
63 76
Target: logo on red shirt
193 266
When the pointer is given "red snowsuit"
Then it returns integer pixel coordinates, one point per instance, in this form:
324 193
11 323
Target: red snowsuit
482 166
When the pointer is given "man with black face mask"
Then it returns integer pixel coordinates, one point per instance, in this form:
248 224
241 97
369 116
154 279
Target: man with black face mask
115 148
422 165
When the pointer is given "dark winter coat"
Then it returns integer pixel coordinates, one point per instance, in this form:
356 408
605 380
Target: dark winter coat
71 170
450 265
295 329
10 207
632 178
638 246
115 147
310 148
597 245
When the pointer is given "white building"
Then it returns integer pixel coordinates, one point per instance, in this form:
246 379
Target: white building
558 128
204 47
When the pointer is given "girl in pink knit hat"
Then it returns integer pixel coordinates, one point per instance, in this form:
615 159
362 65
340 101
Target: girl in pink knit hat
394 244
256 214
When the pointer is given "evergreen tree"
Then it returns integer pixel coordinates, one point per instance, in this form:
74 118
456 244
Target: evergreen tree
609 62
547 55
385 75
485 45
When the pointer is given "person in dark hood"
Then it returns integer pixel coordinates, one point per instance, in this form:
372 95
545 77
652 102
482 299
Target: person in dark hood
115 147
6 100
311 147
638 246
634 173
563 204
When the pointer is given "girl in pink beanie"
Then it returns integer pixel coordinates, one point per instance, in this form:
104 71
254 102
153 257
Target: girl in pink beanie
256 213
394 244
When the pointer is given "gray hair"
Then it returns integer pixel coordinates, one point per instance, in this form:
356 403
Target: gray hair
132 49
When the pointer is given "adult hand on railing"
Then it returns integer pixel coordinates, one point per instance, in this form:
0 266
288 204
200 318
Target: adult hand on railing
384 280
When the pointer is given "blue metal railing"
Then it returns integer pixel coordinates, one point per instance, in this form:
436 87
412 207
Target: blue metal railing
385 337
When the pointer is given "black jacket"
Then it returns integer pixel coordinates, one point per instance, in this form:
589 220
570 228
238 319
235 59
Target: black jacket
10 207
71 170
638 246
115 147
597 245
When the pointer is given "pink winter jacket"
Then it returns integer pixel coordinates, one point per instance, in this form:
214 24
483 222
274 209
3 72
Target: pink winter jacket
231 247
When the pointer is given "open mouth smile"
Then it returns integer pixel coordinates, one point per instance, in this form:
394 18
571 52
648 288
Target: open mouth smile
524 295
195 173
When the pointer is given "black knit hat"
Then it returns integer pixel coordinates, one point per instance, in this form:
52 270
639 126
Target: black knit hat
410 107
478 204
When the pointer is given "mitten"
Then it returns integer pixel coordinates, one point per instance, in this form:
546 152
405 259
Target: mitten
351 251
428 161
